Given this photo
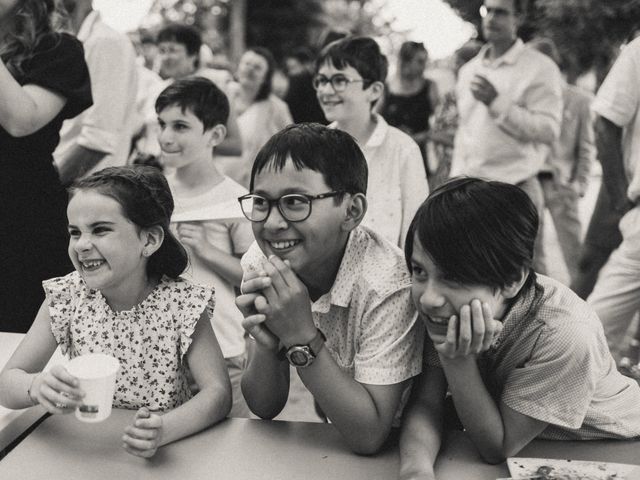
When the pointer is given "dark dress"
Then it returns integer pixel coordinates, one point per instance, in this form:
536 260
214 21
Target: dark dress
33 223
410 113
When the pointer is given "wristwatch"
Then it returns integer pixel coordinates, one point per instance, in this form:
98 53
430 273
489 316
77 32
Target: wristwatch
303 355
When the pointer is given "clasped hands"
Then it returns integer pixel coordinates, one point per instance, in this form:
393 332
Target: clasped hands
469 333
59 393
276 306
482 89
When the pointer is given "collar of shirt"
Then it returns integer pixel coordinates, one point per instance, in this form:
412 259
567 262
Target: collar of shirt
510 57
379 132
87 25
522 310
342 288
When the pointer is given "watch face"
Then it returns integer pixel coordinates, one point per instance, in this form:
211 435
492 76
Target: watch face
298 358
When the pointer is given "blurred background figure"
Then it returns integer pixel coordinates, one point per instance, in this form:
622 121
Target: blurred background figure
565 175
301 96
43 80
260 112
445 122
100 137
410 99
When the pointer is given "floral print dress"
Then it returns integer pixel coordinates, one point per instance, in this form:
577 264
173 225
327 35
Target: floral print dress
150 340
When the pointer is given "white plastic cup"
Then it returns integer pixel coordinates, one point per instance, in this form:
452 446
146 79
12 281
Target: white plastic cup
96 373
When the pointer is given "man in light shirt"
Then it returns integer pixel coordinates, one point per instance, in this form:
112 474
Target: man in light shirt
510 107
100 136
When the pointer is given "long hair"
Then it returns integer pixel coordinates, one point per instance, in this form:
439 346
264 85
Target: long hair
31 19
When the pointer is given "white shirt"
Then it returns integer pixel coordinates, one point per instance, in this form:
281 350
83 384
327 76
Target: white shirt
218 211
107 125
508 140
618 100
397 183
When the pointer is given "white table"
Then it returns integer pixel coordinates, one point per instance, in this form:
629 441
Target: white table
14 422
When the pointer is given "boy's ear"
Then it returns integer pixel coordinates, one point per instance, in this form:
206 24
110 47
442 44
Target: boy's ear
356 207
511 290
152 238
218 134
375 90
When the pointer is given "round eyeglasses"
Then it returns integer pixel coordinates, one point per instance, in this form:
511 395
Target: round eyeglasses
294 207
338 81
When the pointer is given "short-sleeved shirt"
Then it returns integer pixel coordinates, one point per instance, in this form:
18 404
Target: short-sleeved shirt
150 340
367 317
397 182
618 100
219 213
551 362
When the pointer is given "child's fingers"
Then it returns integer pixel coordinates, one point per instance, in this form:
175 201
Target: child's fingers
60 401
452 333
154 422
245 303
141 433
58 386
262 306
478 327
254 285
492 327
464 337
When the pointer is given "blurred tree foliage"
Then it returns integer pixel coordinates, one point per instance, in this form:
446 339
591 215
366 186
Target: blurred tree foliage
279 25
588 32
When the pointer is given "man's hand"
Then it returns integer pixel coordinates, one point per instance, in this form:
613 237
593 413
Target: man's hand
288 306
143 438
483 90
477 330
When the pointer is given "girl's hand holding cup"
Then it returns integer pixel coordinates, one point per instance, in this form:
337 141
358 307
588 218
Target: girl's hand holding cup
143 437
56 390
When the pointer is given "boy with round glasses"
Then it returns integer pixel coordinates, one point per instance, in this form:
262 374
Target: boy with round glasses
349 81
321 292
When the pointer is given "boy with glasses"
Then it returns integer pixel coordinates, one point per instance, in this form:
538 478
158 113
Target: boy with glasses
349 81
321 292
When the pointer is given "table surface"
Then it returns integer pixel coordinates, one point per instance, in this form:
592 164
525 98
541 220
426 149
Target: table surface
14 422
62 447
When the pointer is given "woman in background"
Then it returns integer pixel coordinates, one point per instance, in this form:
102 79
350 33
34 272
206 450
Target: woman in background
43 81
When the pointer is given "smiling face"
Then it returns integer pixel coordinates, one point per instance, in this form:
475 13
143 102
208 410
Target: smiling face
436 298
183 140
351 105
105 246
414 67
314 246
175 61
252 70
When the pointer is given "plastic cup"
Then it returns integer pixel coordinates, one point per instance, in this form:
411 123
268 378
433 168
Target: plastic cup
96 373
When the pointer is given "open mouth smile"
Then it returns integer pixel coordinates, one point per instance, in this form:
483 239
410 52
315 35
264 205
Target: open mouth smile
91 265
283 245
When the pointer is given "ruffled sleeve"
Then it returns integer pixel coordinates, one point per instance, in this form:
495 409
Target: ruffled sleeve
197 299
58 64
62 294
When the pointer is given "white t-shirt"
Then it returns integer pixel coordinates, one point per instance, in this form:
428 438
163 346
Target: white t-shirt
618 100
218 211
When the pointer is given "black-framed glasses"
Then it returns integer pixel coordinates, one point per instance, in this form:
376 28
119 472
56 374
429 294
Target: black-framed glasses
294 207
339 82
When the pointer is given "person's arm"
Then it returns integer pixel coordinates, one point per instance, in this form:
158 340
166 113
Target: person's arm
609 146
26 109
193 234
414 187
22 382
113 82
497 431
536 117
422 422
211 404
362 413
265 381
585 149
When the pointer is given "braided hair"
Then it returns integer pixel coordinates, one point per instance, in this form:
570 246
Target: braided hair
145 197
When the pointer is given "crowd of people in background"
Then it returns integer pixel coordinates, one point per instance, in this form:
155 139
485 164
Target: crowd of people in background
308 212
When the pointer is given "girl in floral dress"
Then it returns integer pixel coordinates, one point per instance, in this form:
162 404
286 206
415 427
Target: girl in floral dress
126 299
